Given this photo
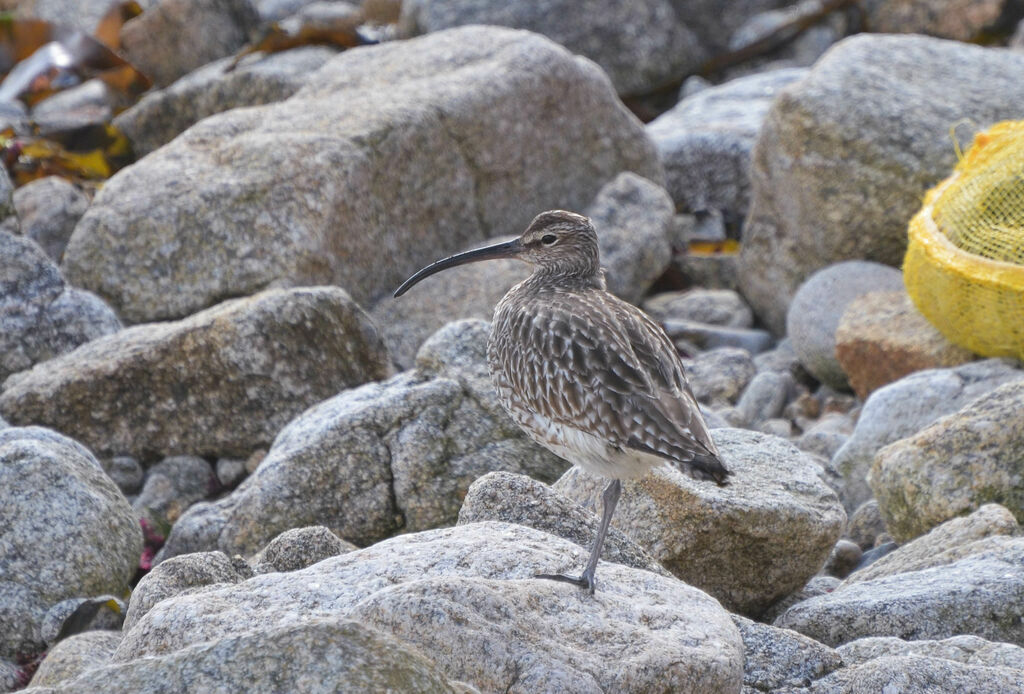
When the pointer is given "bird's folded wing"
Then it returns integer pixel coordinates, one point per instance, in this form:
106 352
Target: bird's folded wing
600 365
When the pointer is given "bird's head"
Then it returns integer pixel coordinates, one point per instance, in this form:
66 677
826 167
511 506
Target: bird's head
556 242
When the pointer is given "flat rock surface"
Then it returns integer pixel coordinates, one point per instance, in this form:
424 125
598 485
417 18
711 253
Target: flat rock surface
403 152
466 596
969 650
181 387
749 543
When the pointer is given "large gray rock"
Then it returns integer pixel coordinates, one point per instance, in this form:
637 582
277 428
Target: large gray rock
219 383
845 154
819 305
389 157
74 655
641 45
49 209
175 37
914 674
903 408
779 658
966 649
317 656
181 575
162 114
632 217
377 459
468 597
954 539
980 594
717 538
511 498
954 466
40 316
705 142
66 531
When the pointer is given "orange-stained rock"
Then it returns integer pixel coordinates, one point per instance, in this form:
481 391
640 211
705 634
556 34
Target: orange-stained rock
882 337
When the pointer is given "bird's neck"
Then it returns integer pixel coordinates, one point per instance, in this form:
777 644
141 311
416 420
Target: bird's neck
565 279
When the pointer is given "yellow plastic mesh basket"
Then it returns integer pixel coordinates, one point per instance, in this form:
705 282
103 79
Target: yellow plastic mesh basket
964 267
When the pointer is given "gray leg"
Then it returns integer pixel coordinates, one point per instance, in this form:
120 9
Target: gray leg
586 580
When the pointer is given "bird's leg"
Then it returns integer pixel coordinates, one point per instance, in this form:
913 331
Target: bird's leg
586 580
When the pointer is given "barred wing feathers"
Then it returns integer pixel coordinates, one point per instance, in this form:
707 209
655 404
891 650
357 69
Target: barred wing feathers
591 361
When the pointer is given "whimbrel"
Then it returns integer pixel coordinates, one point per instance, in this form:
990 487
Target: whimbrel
585 374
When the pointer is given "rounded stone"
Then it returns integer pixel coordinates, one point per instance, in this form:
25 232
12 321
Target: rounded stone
66 531
818 306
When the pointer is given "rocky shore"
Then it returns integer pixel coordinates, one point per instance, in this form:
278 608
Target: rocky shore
230 461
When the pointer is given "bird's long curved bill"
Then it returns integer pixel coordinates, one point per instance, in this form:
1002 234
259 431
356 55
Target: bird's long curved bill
508 249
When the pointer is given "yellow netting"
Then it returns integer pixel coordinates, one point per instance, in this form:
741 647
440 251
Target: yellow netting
964 266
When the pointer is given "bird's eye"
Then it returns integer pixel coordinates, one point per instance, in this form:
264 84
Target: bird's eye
548 239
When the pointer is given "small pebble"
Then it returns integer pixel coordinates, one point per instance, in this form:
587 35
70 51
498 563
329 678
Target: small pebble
126 472
866 525
876 553
844 558
230 471
776 427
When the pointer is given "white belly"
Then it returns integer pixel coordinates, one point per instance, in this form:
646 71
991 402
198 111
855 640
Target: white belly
585 450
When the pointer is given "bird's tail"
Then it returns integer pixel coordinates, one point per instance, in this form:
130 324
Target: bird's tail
707 466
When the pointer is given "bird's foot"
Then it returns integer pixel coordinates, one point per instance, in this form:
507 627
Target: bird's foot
586 580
